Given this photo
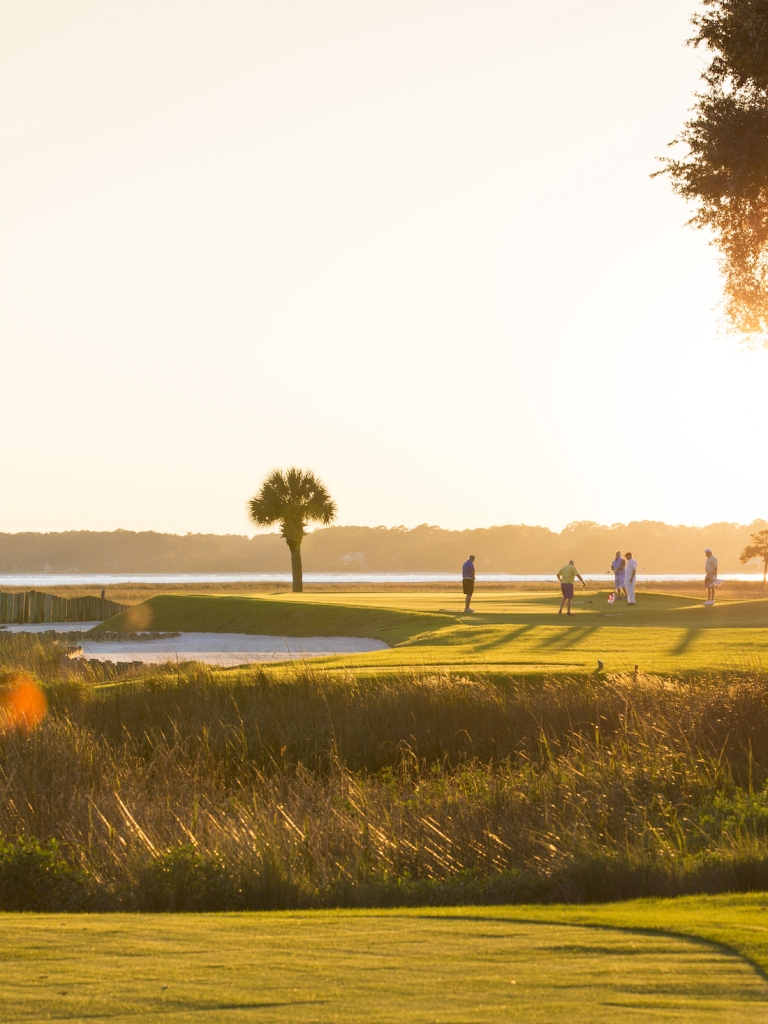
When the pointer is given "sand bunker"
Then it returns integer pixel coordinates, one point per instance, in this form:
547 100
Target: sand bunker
227 649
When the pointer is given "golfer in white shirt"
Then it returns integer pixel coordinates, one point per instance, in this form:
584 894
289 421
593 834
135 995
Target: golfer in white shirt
630 578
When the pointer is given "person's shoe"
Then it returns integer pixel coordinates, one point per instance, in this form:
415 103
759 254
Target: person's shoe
708 603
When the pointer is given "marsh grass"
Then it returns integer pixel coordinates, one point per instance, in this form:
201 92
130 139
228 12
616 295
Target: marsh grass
192 788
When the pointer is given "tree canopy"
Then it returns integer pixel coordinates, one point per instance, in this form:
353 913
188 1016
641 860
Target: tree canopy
725 172
294 499
757 549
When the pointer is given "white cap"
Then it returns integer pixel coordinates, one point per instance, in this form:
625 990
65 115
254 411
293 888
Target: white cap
707 551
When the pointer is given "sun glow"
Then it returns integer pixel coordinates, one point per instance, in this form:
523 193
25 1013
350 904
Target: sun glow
23 705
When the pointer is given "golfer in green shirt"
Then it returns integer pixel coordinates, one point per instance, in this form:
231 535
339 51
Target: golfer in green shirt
567 575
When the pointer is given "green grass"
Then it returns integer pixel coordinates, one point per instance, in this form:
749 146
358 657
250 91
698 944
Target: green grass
298 787
519 631
265 615
455 965
305 787
738 922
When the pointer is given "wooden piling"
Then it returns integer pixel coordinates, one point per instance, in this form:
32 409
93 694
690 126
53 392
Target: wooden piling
34 606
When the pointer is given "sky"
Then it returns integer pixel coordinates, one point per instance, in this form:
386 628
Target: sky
413 245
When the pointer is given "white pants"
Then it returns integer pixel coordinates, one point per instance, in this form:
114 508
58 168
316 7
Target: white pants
630 590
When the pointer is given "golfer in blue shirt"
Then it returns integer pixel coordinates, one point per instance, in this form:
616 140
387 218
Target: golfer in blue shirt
468 581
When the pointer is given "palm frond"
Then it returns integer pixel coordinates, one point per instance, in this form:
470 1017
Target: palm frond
294 498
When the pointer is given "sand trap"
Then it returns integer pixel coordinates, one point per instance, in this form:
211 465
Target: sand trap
228 648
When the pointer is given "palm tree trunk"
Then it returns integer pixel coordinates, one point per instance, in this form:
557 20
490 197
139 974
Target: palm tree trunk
298 580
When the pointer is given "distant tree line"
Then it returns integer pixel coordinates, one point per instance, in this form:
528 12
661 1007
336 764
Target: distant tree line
518 549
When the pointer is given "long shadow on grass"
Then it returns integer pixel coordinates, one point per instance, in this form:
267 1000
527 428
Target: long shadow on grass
574 636
260 1006
503 640
724 948
686 640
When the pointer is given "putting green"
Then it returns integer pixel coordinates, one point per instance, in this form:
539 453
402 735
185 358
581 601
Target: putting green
514 631
470 964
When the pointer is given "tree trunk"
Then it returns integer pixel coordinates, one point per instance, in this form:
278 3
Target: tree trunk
765 570
298 581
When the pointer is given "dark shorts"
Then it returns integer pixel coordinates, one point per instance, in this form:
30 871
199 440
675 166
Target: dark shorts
467 585
567 589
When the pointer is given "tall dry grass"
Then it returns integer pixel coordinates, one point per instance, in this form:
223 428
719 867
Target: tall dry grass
195 789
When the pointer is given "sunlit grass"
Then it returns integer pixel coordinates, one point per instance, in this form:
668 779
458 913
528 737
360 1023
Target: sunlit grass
291 786
518 631
455 965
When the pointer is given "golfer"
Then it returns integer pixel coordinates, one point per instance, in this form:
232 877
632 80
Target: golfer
710 576
566 576
468 581
631 577
619 568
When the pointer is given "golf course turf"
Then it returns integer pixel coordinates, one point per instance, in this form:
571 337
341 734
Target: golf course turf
508 631
253 744
535 964
272 616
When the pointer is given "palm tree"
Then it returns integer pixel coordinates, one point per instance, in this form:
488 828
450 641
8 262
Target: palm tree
292 498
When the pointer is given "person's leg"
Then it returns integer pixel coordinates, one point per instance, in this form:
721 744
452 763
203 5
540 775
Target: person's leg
562 605
568 602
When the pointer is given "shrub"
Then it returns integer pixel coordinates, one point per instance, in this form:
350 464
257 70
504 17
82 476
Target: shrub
183 880
33 876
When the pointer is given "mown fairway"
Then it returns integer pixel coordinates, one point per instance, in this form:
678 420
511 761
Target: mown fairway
520 631
467 964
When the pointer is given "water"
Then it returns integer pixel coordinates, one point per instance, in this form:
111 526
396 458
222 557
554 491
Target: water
40 581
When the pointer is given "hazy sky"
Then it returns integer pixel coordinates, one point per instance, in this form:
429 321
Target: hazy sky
411 244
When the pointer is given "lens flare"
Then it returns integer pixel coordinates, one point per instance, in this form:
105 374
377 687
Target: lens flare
138 617
22 704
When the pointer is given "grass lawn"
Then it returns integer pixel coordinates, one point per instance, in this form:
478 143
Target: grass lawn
273 616
465 964
517 630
